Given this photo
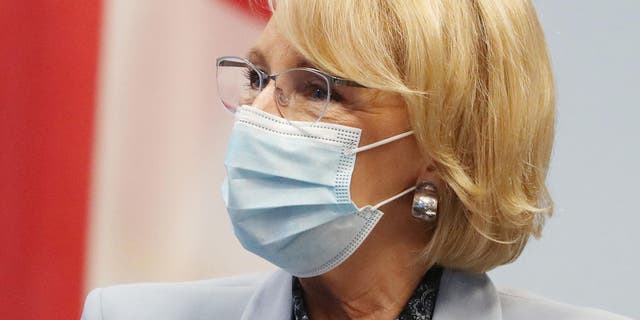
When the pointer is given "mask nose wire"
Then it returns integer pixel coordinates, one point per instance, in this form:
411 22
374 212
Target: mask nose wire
379 143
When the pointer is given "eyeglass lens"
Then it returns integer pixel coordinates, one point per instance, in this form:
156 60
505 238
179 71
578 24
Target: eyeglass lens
238 83
299 94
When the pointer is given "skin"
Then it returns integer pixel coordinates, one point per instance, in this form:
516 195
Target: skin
379 278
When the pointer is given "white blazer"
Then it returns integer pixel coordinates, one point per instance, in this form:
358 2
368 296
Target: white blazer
268 297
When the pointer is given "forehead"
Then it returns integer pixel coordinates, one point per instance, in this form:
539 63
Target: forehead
274 52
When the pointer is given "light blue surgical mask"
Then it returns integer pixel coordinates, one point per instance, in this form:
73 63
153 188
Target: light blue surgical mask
287 191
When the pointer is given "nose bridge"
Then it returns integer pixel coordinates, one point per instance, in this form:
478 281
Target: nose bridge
265 101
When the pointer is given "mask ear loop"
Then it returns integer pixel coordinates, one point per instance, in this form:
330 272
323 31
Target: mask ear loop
396 197
379 143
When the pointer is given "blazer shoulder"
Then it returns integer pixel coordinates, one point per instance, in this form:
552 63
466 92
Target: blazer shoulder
223 298
521 304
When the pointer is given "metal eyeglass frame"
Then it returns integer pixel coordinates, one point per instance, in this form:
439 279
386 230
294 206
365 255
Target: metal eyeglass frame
265 77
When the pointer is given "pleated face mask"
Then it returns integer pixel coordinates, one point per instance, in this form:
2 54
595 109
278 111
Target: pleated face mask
287 191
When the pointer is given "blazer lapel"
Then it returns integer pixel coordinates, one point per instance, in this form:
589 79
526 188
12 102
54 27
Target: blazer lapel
272 299
461 296
467 296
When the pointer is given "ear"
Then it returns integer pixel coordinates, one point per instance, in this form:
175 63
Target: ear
429 174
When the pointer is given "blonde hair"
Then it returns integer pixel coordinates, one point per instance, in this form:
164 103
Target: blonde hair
477 81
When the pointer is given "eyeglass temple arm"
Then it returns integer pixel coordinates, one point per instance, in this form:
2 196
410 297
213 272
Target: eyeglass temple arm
346 83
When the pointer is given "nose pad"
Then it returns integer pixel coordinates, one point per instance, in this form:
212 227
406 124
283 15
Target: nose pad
265 102
280 97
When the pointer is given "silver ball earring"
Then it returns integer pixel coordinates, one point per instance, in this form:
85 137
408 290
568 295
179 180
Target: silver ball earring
425 202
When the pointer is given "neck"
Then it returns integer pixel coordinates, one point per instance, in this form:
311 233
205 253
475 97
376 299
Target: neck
377 281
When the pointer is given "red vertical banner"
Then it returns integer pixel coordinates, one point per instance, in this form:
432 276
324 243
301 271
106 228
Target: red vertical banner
48 58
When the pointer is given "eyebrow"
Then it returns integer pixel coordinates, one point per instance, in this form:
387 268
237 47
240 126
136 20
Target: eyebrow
257 57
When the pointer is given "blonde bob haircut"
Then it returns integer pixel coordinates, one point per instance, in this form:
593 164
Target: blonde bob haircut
477 82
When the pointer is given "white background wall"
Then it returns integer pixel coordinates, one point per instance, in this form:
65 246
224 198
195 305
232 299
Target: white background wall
157 214
589 250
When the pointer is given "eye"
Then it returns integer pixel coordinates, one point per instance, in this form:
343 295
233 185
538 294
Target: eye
252 77
313 88
318 93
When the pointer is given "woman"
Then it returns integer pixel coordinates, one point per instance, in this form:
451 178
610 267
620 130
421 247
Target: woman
385 154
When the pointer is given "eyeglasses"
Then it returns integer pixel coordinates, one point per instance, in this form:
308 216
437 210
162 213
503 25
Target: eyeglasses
300 94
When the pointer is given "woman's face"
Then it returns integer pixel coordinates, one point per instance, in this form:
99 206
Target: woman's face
379 173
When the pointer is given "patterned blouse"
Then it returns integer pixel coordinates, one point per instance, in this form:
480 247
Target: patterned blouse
419 307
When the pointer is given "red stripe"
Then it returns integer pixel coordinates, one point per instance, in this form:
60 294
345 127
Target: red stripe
258 9
48 57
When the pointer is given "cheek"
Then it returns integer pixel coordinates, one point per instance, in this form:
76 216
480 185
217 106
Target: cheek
385 171
340 114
